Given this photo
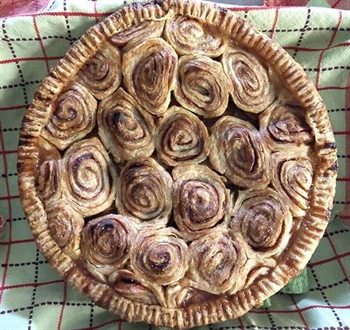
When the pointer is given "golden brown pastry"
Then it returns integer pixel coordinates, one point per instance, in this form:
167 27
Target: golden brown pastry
149 71
252 90
201 86
125 129
105 244
263 219
201 201
239 152
73 116
135 34
47 151
127 284
182 293
284 126
189 36
159 255
182 138
216 260
101 74
89 177
292 174
65 226
257 268
51 181
144 191
254 270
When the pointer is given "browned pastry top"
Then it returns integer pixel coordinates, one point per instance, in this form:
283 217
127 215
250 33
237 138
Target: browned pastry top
177 165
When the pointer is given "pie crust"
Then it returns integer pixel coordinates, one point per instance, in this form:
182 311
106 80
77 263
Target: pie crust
177 165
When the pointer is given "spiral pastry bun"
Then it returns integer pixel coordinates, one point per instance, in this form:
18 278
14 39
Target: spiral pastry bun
201 201
106 243
182 138
149 71
223 256
263 219
101 74
89 177
251 90
50 181
135 34
239 152
65 226
292 178
160 256
189 36
285 126
125 130
73 116
144 191
202 86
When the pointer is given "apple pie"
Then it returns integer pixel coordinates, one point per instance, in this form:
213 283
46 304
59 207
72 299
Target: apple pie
177 165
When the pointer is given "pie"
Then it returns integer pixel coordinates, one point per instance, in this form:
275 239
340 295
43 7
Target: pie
176 165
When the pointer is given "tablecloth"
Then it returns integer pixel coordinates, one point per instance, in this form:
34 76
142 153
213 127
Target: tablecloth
33 296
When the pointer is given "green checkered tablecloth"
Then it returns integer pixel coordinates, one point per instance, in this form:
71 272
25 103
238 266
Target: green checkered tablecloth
32 296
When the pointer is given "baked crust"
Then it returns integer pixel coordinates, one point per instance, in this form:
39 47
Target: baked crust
167 275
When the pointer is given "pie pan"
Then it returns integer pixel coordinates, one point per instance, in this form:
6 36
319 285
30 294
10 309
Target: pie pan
177 165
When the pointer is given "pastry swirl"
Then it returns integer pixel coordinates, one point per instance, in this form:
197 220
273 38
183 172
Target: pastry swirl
125 129
251 89
188 36
200 200
264 220
50 181
202 86
65 226
255 269
90 177
101 74
46 151
106 243
292 178
239 152
144 191
182 138
135 34
159 255
182 294
130 286
149 71
284 126
216 260
73 116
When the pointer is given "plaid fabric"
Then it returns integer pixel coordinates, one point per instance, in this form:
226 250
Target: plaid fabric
31 293
337 4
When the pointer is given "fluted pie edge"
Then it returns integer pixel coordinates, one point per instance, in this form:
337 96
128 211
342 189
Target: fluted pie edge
304 240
